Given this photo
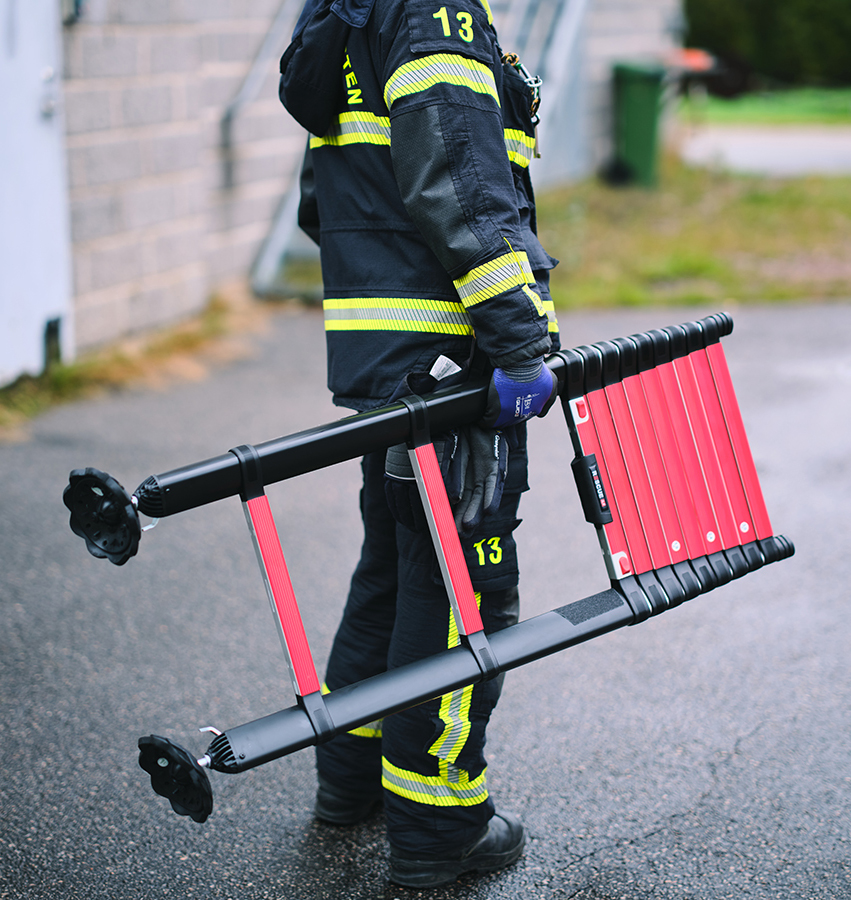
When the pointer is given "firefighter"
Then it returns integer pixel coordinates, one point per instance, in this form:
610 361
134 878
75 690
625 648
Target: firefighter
415 185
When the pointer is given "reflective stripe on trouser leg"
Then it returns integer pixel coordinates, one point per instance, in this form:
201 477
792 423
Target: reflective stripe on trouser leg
370 730
452 786
433 805
455 715
434 770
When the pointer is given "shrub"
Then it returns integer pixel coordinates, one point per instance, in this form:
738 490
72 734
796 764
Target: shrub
791 41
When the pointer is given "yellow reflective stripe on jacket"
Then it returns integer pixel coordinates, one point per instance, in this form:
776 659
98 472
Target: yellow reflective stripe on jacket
487 7
396 314
441 68
527 290
520 147
366 128
355 128
494 277
452 787
550 310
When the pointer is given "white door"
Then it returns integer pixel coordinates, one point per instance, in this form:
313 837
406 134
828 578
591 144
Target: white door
35 283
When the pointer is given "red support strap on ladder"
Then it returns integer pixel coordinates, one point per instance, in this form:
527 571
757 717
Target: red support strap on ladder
276 577
447 544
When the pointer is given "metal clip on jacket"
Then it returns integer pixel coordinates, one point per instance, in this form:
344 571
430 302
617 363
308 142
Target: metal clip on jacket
533 82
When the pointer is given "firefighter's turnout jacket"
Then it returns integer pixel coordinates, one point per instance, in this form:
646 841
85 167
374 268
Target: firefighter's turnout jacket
416 187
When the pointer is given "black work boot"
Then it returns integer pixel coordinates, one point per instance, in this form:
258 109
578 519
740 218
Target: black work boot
499 845
341 807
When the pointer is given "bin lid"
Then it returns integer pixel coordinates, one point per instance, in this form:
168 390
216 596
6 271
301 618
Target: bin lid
640 69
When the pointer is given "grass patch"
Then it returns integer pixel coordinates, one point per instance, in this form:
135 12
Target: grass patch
801 106
701 237
113 368
299 277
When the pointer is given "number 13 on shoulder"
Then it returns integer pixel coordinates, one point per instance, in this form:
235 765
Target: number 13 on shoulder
465 31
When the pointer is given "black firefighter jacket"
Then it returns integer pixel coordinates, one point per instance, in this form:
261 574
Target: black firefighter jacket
416 187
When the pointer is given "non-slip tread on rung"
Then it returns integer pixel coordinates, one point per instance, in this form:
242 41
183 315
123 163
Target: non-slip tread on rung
597 365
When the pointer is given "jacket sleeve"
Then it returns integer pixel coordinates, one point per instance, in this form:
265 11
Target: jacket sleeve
448 147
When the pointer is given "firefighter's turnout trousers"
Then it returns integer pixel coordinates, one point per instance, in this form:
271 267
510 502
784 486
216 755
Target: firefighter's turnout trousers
429 759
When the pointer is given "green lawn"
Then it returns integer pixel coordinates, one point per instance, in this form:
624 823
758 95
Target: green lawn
701 237
822 106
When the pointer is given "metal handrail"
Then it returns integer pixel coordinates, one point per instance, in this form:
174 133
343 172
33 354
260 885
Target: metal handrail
272 47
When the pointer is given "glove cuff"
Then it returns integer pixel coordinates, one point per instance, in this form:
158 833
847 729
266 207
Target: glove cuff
525 372
397 463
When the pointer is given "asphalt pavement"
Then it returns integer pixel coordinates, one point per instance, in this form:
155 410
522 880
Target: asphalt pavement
703 754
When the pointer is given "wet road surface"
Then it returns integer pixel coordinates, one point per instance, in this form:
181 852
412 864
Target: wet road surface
703 754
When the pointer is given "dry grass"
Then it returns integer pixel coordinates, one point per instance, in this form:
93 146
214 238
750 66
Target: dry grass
187 351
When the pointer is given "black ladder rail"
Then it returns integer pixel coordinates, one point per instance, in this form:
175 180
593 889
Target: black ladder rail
286 457
306 451
281 733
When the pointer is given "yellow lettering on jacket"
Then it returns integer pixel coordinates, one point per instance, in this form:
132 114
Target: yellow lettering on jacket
351 80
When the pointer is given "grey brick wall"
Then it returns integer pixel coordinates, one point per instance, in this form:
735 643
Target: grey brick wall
153 229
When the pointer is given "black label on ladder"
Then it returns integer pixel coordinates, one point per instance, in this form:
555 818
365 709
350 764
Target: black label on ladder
595 504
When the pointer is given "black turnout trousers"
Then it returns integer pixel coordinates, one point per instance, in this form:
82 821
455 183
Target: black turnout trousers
429 760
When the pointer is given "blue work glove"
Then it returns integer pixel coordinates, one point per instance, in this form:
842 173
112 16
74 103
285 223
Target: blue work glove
517 393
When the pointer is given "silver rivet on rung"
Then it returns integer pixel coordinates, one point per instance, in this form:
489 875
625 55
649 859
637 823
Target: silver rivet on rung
744 528
710 536
676 546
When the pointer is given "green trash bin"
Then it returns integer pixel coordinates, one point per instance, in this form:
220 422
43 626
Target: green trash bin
638 101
